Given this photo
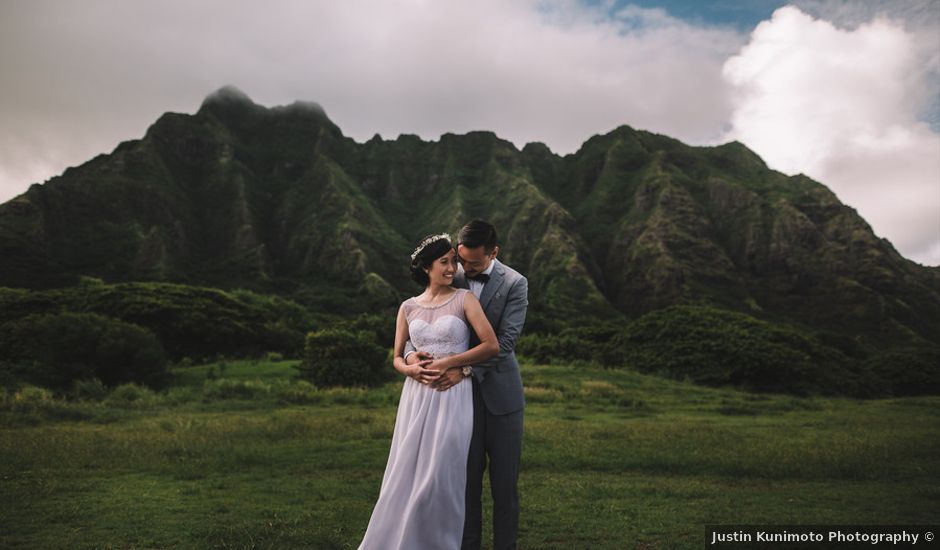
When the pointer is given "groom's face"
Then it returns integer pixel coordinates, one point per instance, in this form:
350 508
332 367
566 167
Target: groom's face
475 260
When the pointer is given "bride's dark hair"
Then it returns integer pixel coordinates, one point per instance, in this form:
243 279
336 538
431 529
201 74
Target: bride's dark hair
426 257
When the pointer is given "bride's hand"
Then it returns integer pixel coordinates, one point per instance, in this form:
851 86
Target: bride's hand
422 374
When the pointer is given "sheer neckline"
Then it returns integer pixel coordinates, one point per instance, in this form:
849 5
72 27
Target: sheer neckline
449 300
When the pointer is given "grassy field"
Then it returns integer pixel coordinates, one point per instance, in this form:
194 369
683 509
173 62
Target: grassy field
611 459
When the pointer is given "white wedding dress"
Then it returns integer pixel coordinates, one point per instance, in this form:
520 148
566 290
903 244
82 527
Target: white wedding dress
421 502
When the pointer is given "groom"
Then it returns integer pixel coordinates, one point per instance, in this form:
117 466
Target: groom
498 400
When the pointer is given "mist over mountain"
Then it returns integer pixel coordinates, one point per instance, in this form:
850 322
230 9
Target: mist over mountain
278 200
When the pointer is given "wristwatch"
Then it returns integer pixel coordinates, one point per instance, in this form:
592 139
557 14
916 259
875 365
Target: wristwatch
467 371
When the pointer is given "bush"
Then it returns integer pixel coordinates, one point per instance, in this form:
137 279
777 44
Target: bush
382 327
549 348
35 404
189 321
717 347
590 343
907 371
338 357
10 375
89 390
64 347
180 394
131 395
31 398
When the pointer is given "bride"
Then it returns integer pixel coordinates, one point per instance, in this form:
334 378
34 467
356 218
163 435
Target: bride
421 502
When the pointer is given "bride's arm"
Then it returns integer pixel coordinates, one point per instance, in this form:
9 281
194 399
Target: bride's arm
488 346
416 370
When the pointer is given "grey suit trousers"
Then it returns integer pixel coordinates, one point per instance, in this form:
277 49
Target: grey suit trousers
498 437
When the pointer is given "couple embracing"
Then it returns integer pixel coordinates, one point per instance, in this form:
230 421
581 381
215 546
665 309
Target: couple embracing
462 400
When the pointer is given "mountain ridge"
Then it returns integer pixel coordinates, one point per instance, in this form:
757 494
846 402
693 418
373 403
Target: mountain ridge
279 200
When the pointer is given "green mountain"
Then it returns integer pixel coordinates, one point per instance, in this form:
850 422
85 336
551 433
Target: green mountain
277 200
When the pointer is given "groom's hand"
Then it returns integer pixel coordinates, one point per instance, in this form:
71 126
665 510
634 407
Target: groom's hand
448 379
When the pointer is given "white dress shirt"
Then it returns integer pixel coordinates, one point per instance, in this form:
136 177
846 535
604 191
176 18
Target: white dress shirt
476 287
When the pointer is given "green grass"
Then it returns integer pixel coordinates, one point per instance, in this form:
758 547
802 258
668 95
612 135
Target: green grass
611 459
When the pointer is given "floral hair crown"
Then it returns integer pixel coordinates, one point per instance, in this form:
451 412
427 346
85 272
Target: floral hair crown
426 242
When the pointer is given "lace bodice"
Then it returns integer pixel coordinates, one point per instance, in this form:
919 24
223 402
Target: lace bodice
440 330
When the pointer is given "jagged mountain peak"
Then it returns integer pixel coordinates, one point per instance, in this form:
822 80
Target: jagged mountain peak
244 194
538 146
227 95
302 108
229 103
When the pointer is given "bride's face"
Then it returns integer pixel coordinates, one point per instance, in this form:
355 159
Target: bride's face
443 269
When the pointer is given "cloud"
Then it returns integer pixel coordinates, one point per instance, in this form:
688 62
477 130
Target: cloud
80 77
100 71
842 106
920 18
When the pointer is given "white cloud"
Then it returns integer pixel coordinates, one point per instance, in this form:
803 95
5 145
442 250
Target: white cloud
100 71
920 18
842 105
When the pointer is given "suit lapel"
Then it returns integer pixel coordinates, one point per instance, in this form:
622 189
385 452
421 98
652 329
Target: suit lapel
491 286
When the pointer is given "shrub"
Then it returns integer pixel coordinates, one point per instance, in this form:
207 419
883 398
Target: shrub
717 347
39 403
131 395
63 347
550 348
181 394
189 321
338 357
382 327
907 371
589 343
90 390
10 375
31 398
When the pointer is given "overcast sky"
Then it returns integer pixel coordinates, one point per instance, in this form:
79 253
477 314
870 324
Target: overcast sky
847 92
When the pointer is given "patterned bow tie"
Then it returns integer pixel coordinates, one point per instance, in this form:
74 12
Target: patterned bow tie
480 278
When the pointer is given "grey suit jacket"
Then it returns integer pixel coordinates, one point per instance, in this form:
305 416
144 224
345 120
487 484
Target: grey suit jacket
505 299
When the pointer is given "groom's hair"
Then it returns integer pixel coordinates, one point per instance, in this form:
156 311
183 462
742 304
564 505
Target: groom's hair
478 233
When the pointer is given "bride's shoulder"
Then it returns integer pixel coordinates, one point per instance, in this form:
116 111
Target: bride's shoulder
464 294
